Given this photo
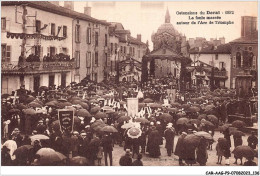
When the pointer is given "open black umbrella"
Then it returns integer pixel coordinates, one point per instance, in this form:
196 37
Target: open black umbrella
244 151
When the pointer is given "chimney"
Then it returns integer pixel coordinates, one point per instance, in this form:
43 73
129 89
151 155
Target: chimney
139 37
55 3
87 11
248 25
69 5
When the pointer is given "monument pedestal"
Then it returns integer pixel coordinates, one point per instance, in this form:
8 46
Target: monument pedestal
243 83
132 106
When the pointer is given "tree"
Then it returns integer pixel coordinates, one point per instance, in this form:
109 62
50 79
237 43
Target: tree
184 75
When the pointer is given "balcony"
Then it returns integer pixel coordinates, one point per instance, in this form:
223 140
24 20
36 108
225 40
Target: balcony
218 74
36 67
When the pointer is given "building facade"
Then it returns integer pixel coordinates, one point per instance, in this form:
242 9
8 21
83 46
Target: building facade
169 49
44 44
125 52
218 57
244 52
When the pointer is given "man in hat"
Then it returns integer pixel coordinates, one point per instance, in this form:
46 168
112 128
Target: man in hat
169 135
107 145
126 160
16 136
40 128
179 148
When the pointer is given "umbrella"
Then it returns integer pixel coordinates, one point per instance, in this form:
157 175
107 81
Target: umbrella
109 129
182 121
147 100
142 120
84 105
224 127
185 106
238 124
213 119
21 106
39 137
12 146
79 161
76 102
176 104
191 140
237 133
83 113
209 107
62 100
51 103
193 109
174 110
155 105
14 111
30 99
97 123
43 88
127 125
100 115
94 110
123 118
202 116
166 117
244 151
49 156
208 123
23 150
195 121
134 133
204 134
29 111
35 105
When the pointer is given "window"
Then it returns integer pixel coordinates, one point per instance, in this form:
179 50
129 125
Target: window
138 53
64 50
77 31
52 51
105 39
111 47
96 58
130 51
77 57
95 77
124 50
121 49
3 24
254 62
88 59
89 36
250 48
64 31
115 48
96 38
37 50
52 29
38 26
6 53
216 56
234 62
133 51
238 60
106 59
221 65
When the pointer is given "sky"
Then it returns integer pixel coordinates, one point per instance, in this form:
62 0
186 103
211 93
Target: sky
145 17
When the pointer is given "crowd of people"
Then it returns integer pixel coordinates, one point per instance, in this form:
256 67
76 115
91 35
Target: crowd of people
32 133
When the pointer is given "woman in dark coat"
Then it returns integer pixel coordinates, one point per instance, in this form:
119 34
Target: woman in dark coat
169 137
202 155
179 147
154 144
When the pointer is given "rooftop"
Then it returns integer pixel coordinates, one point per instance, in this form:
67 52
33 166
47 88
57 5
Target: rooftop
253 38
221 49
47 6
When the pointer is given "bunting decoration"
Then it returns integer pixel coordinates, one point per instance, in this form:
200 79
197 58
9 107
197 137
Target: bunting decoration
33 36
